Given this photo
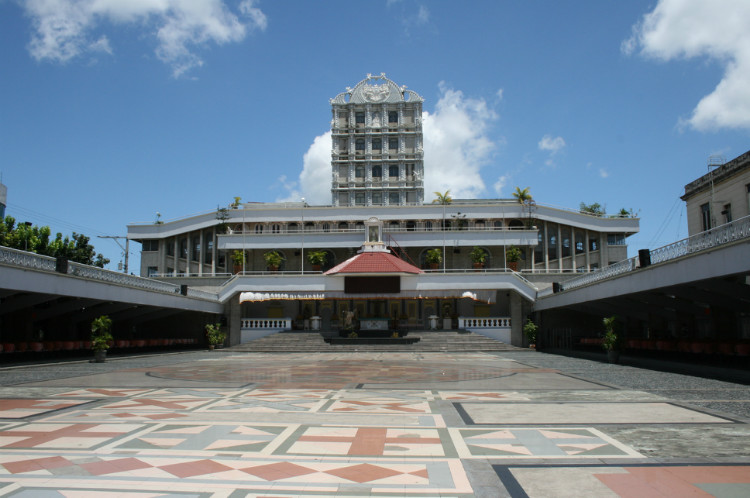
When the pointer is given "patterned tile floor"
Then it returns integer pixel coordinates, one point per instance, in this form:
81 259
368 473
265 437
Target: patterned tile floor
318 425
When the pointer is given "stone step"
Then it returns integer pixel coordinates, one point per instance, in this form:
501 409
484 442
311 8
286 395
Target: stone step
430 341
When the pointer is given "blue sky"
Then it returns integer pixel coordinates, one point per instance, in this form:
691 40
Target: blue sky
114 110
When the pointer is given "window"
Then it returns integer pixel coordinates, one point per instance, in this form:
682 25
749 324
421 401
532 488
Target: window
479 224
393 171
394 225
615 239
152 271
428 225
258 229
275 228
393 143
359 117
377 198
377 144
579 243
293 227
706 217
343 225
409 170
377 172
326 227
208 256
498 225
593 244
309 226
410 226
392 117
552 241
359 198
170 248
727 212
539 248
359 172
565 237
343 199
150 245
195 256
183 247
359 144
393 198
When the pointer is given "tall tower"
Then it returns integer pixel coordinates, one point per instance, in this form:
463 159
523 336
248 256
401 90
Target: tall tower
377 157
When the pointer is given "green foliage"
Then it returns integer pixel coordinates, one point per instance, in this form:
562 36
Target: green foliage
522 196
273 259
434 256
478 255
443 198
512 254
317 257
37 239
613 335
222 214
596 209
529 330
214 335
101 334
238 257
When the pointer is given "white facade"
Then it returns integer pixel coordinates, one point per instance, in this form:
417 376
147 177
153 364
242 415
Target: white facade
377 157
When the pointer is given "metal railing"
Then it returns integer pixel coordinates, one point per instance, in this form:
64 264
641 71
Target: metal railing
710 239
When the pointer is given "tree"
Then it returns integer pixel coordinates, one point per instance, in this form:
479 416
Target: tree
522 196
596 209
37 239
444 198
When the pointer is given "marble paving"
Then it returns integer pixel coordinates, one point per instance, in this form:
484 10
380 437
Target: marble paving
463 425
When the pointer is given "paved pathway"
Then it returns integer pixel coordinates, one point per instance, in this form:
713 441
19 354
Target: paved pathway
228 424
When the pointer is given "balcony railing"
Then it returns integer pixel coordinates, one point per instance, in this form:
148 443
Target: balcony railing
704 241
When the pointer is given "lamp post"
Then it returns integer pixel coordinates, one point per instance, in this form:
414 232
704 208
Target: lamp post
302 253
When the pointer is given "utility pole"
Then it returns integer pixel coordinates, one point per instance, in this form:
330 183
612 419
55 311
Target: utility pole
126 249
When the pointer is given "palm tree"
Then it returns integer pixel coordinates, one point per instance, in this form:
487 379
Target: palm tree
522 196
442 198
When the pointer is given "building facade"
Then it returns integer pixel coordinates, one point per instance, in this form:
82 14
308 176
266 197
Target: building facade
720 196
377 157
376 184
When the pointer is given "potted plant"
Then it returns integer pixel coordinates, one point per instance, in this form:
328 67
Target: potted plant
101 337
238 259
214 335
273 260
512 257
478 257
613 338
317 259
434 257
529 330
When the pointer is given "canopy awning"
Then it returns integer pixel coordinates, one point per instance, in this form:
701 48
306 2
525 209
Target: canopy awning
486 296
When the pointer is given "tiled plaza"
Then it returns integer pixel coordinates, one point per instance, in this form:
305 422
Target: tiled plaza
226 424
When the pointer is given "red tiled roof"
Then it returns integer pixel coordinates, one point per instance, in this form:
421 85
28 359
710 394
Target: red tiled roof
374 262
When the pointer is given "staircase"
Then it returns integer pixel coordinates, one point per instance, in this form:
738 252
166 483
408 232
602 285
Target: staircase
447 341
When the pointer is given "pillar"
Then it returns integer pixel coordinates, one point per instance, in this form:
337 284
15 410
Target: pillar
233 312
516 319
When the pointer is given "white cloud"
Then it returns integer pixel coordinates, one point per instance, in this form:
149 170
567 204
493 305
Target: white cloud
603 173
64 29
552 144
500 184
423 15
455 143
696 28
499 94
315 180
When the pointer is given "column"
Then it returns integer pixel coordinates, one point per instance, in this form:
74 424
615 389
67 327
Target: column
201 242
516 319
588 253
559 248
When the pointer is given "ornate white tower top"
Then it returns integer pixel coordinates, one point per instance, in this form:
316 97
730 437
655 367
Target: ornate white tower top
367 92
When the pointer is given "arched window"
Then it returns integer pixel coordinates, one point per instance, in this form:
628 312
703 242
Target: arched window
479 224
428 225
377 171
410 226
394 225
393 171
293 227
377 144
359 144
359 171
360 226
275 228
498 225
258 228
309 226
392 116
343 225
326 227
